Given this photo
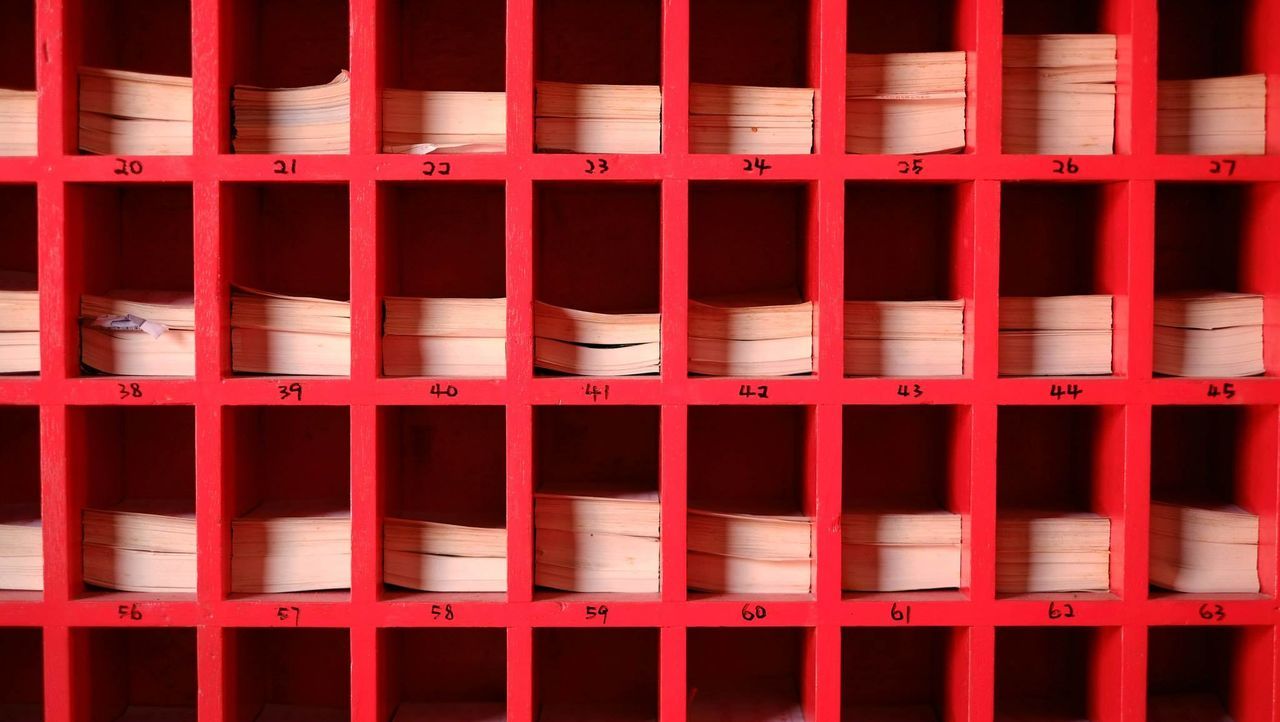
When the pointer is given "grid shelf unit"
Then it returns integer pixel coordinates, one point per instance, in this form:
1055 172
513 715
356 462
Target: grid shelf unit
367 225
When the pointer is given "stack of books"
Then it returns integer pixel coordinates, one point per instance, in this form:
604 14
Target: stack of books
599 542
1208 334
1212 116
751 336
1055 335
1200 548
141 547
19 323
444 337
595 118
21 547
450 121
139 333
1059 94
276 334
897 551
736 553
291 547
1052 552
305 121
750 119
128 113
17 122
433 556
904 338
571 341
905 103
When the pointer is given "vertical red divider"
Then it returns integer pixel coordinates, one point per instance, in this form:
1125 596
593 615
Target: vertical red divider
366 97
675 89
987 73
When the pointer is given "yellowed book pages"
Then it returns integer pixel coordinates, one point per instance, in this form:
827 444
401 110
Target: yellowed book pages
174 309
1052 531
578 326
307 120
283 352
900 567
901 528
904 356
1212 116
19 352
1234 351
432 537
1222 524
447 120
596 100
739 575
750 318
137 353
21 547
904 319
132 570
1208 309
906 75
19 301
1055 353
143 525
753 536
17 122
257 309
443 573
1055 313
631 512
456 317
444 356
129 94
570 358
763 357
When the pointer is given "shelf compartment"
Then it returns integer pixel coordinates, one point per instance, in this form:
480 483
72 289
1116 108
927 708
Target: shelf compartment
1058 674
1205 674
1219 455
445 464
134 238
1067 460
718 54
597 452
134 674
909 675
109 466
18 45
440 45
20 496
278 675
441 675
1217 237
286 43
22 667
912 26
281 458
567 47
772 231
628 694
750 675
19 249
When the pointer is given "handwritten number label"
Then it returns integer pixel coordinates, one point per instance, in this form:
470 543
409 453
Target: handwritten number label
915 166
444 611
289 614
748 391
128 391
1226 391
129 611
285 167
910 391
752 612
1212 612
596 391
900 614
600 612
1225 166
756 165
1065 166
128 167
286 390
1058 391
433 168
597 166
1066 611
446 390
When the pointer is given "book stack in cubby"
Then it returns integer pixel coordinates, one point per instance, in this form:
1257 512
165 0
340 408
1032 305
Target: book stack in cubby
904 338
19 323
1052 552
1059 94
444 337
1055 335
750 119
272 333
434 556
894 551
21 547
1208 334
1208 116
905 103
740 553
449 121
291 547
598 118
307 120
589 343
1204 548
138 333
751 336
597 541
123 112
141 546
17 122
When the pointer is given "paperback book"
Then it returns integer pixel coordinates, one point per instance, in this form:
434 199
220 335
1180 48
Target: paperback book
750 119
588 343
272 333
445 121
1208 334
1059 94
464 337
758 335
597 118
310 120
908 103
138 333
1055 335
128 113
19 323
602 541
904 338
17 122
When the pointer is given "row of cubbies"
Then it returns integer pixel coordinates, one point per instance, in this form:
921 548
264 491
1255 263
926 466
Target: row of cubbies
902 242
446 463
926 673
433 45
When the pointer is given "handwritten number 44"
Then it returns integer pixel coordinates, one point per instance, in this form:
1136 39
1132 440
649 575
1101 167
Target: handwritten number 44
1058 391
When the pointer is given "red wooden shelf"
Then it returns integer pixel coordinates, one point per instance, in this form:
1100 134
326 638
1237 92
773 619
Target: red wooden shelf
653 231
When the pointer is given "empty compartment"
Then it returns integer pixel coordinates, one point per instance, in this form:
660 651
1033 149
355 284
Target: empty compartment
1059 482
905 249
752 316
22 669
562 692
1215 238
291 240
443 242
904 675
1058 675
596 304
280 675
1213 466
132 252
18 266
750 675
445 497
752 496
1209 674
912 26
127 675
290 493
906 481
443 675
121 34
1059 242
596 511
133 511
18 45
286 43
22 556
440 45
